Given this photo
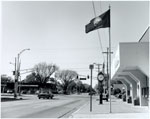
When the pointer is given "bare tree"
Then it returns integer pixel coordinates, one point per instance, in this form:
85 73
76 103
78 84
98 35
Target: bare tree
65 76
42 72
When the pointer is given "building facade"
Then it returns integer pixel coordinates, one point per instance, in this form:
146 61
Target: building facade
131 66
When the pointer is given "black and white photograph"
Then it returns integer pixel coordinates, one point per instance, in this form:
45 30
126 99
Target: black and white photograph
74 59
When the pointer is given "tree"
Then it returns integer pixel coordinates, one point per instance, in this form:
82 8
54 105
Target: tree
42 72
30 79
65 76
79 86
5 81
86 87
71 87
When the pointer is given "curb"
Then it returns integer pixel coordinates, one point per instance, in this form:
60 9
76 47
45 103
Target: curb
78 110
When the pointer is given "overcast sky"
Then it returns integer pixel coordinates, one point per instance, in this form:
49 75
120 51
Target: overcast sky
55 32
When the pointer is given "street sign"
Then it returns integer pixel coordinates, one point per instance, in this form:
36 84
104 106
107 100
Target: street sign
91 66
82 78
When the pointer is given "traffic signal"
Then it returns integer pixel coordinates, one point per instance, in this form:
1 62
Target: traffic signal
13 72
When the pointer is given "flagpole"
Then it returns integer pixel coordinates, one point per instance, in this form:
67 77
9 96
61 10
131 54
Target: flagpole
110 61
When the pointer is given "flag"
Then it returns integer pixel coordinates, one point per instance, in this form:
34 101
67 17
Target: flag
101 21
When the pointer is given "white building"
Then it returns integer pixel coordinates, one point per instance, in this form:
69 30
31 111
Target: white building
131 66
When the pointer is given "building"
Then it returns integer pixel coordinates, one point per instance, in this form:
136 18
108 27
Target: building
131 66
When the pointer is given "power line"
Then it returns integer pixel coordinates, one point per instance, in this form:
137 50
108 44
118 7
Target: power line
27 69
104 31
94 8
100 7
98 32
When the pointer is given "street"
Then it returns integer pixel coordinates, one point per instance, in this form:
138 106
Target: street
32 107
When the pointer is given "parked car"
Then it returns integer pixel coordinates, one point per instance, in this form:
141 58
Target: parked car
46 95
37 92
92 93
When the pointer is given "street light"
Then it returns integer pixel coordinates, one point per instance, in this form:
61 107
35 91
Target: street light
19 57
17 72
23 51
19 65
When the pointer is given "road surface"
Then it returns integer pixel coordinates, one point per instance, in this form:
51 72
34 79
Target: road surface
62 106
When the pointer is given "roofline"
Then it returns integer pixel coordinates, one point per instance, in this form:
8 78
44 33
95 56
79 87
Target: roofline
144 34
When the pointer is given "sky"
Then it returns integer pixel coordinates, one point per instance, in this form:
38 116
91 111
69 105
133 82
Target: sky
55 32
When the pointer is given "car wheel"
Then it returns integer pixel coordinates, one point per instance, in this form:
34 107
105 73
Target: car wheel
39 98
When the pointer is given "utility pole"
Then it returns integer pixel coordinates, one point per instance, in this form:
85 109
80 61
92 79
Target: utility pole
17 72
107 53
98 66
16 82
103 69
108 76
20 86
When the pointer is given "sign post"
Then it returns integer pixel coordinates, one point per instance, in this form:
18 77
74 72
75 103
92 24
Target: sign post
91 68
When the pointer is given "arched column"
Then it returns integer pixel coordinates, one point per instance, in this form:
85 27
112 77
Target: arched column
144 81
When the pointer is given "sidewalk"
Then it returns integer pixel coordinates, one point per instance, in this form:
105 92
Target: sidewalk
119 110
